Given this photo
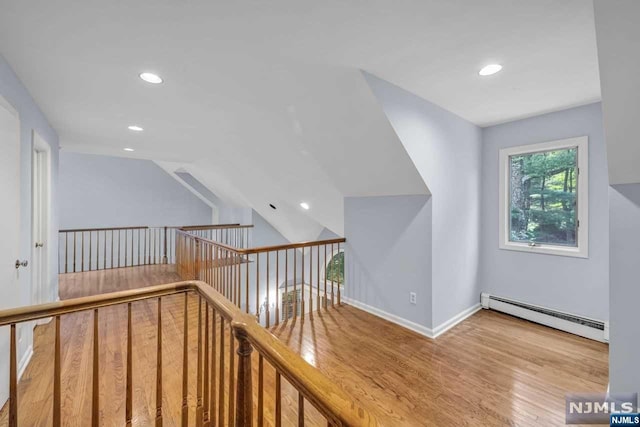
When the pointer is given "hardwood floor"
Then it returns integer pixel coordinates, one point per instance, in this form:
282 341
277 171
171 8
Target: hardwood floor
492 369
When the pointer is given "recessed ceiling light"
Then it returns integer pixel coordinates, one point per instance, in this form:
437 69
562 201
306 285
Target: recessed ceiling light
151 78
490 69
128 149
304 206
135 128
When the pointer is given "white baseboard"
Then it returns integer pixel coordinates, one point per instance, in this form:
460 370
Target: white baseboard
444 327
24 362
415 327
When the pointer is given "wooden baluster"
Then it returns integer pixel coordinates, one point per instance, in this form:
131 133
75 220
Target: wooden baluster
13 379
260 391
318 280
199 409
197 261
74 251
214 355
325 276
267 314
300 410
302 286
232 377
119 241
221 376
339 276
132 247
111 248
258 286
205 397
95 403
244 393
277 287
56 378
286 283
139 245
147 255
129 399
185 363
66 252
295 283
239 283
104 252
159 368
331 262
165 259
82 250
126 248
246 296
90 247
310 279
278 400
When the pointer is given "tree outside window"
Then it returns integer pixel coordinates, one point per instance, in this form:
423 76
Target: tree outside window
543 189
335 268
544 198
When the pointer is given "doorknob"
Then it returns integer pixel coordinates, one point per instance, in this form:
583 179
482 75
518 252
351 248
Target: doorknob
21 263
39 244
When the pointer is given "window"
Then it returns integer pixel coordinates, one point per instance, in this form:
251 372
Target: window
335 268
543 198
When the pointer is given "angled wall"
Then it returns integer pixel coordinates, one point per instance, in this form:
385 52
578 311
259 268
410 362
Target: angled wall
104 191
445 150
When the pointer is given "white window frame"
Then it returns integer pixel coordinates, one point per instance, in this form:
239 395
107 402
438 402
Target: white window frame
582 249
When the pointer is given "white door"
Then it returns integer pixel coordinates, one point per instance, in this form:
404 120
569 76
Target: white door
9 227
40 217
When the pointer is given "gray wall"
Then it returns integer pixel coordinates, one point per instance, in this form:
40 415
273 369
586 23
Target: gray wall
624 349
103 191
446 151
388 254
574 285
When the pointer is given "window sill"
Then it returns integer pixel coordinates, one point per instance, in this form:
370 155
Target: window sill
575 252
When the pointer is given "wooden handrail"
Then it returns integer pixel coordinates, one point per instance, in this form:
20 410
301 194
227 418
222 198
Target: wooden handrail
79 230
214 227
327 397
183 227
262 249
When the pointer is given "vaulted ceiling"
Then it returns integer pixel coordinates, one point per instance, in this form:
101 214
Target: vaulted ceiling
265 102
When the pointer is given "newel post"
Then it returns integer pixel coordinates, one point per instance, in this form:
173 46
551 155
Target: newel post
197 261
244 396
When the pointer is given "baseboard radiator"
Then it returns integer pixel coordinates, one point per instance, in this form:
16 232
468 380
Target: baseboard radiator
588 328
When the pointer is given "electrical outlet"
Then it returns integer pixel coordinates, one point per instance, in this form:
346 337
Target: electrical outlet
412 297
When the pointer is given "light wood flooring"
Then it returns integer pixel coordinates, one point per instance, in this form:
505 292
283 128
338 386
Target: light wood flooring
492 369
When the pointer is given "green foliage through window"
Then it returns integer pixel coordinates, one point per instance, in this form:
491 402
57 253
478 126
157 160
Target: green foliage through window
543 190
335 268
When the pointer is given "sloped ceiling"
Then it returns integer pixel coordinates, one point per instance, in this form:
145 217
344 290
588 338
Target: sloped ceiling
266 100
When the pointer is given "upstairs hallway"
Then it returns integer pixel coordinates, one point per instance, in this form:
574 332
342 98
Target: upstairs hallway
491 369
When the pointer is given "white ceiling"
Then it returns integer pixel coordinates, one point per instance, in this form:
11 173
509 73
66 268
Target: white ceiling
266 98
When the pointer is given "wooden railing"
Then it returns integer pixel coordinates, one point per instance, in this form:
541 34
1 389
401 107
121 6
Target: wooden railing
88 249
236 235
274 283
224 383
